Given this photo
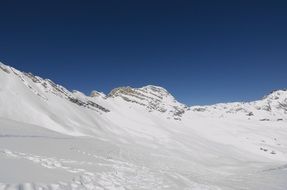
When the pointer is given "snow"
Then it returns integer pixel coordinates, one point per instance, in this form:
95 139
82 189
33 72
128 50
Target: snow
136 138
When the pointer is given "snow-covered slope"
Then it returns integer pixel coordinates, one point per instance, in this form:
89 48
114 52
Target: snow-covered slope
135 138
271 107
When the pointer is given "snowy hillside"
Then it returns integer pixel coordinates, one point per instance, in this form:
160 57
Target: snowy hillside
271 107
136 138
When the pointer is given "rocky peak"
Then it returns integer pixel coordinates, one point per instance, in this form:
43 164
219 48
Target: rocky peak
154 98
276 100
147 91
95 93
276 95
157 90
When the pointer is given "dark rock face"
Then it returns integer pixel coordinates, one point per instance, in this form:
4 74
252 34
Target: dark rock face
199 109
265 119
283 105
95 105
88 104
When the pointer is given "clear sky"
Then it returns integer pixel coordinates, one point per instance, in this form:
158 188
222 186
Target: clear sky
202 51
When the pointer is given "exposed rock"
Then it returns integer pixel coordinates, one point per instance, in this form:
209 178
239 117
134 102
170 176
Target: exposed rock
264 119
272 106
4 68
199 109
154 98
95 93
32 77
95 105
88 104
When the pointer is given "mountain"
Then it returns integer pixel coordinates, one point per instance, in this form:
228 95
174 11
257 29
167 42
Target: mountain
136 138
270 107
153 98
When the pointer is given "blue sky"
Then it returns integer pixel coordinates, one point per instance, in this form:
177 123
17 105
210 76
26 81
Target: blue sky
203 52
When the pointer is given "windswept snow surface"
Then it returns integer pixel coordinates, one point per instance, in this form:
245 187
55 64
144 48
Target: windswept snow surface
135 139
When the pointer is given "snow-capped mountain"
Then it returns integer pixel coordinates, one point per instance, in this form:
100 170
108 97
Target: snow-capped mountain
136 138
153 98
271 107
48 94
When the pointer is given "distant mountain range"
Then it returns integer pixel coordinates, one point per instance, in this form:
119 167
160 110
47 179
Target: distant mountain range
152 98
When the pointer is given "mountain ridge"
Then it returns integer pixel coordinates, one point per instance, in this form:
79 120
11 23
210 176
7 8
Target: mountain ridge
35 78
156 98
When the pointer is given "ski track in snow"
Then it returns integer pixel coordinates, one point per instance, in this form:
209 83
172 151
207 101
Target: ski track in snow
122 175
